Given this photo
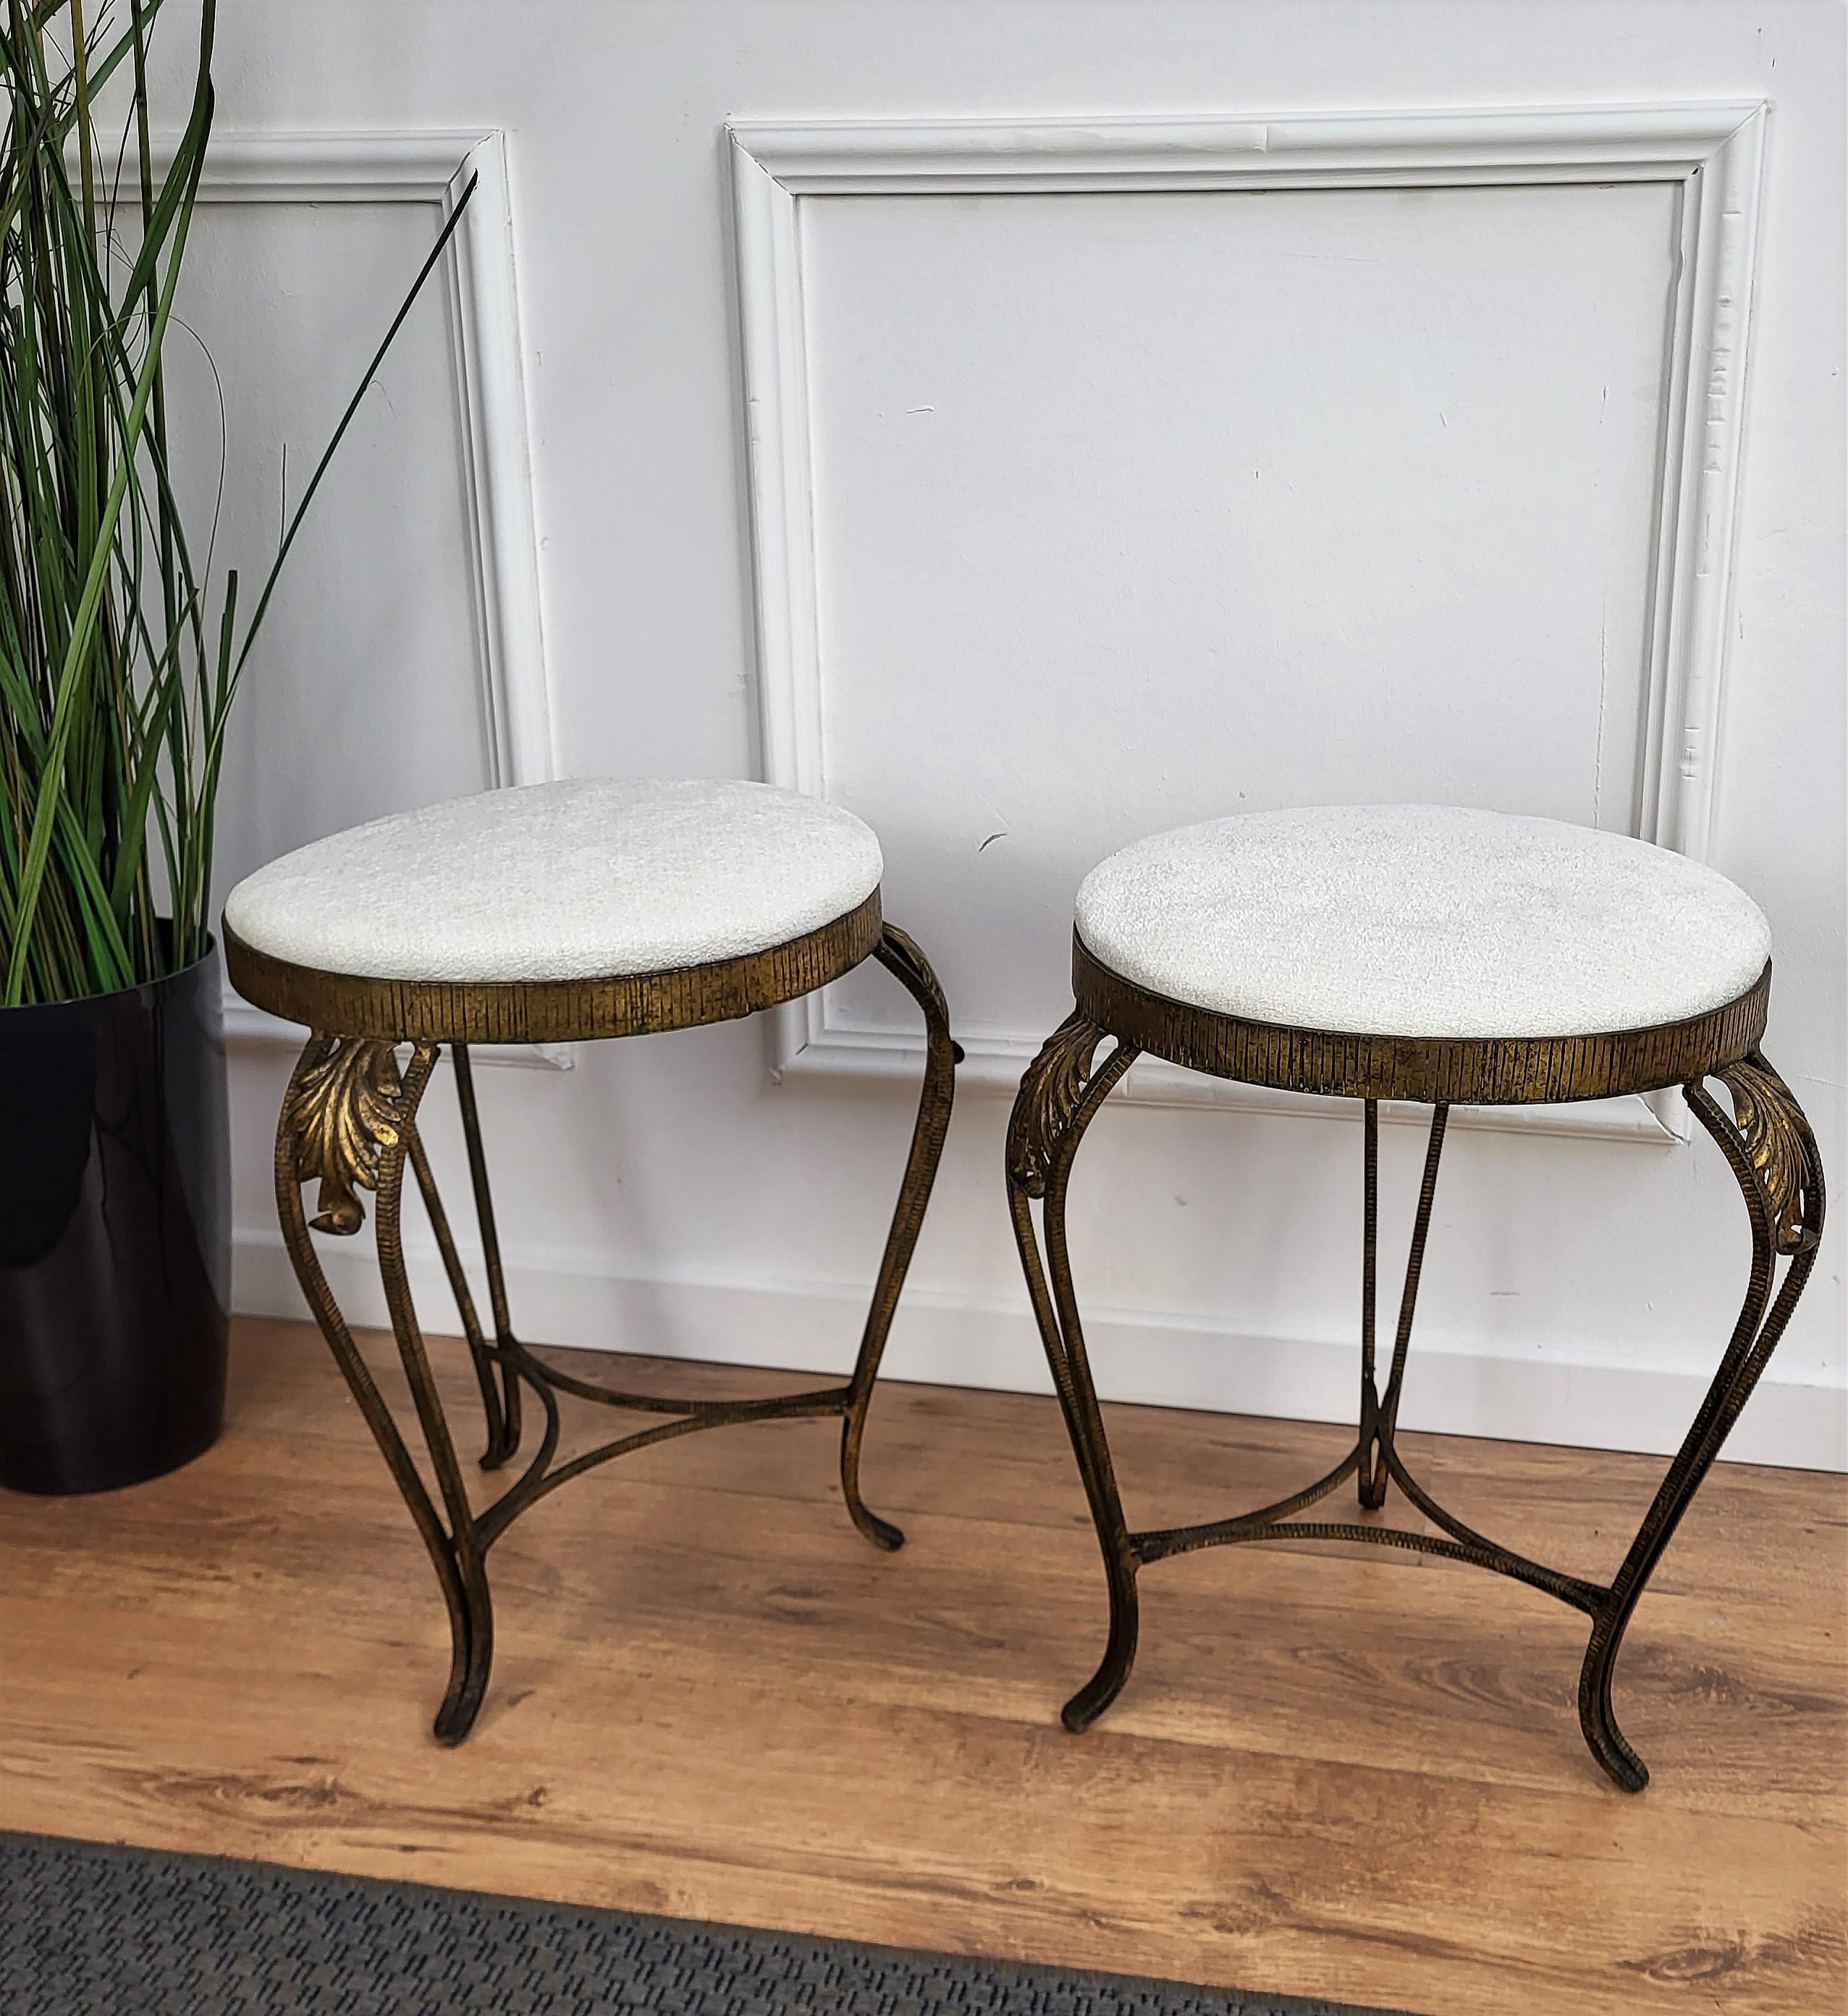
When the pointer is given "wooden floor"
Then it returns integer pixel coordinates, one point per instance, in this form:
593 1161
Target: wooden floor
1355 1773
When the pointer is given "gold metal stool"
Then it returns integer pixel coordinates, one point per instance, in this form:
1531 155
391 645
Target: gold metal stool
497 920
1393 925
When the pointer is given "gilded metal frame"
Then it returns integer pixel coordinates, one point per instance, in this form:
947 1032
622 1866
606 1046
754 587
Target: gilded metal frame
1767 1143
349 1124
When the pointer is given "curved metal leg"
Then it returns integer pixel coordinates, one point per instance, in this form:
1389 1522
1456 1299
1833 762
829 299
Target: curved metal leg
900 956
348 1121
1059 1096
1379 1418
1370 1478
504 1446
492 1408
1771 1152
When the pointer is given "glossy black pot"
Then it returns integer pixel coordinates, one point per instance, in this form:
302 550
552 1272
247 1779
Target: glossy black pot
115 1234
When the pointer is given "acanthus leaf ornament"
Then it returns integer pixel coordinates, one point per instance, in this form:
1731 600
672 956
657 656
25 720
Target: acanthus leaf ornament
344 1110
1053 1084
1777 1145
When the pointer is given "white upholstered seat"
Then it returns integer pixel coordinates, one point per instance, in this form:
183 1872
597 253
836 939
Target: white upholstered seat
1422 920
574 880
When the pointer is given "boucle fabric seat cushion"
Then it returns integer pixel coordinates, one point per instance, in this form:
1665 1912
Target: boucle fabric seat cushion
1422 920
575 881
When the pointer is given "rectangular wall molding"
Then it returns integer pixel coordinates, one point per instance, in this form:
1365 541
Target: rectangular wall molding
1152 1358
434 169
1711 155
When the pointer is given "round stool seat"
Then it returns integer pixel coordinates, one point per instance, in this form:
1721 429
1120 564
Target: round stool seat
1422 921
562 881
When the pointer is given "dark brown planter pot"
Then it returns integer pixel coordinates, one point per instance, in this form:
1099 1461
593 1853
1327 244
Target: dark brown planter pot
115 1234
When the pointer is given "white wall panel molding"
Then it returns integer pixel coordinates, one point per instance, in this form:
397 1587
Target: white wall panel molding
1710 155
434 168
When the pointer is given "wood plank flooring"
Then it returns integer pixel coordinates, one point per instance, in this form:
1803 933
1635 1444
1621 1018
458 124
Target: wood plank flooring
1337 1771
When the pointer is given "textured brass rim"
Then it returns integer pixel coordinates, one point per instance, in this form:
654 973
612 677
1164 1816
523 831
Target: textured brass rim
1461 1070
553 1011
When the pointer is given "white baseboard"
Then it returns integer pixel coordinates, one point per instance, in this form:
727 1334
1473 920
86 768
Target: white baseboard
1156 1359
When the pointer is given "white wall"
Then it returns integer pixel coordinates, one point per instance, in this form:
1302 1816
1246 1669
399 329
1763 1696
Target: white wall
1127 508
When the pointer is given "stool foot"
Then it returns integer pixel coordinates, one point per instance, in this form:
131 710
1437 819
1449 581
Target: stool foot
1607 1740
1119 1654
882 1533
470 1665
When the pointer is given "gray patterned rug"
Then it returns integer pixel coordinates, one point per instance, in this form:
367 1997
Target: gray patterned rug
89 1930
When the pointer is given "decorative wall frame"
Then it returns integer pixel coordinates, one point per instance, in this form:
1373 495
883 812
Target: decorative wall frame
434 168
1713 155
